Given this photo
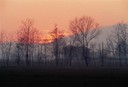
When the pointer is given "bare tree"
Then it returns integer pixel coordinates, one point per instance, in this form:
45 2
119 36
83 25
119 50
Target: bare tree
110 49
93 53
45 43
39 53
6 46
85 30
120 40
28 35
58 41
101 54
69 51
2 45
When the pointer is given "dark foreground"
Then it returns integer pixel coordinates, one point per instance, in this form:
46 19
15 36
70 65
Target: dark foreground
38 77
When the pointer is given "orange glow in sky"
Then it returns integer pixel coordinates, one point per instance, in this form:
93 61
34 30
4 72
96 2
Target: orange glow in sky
48 12
48 38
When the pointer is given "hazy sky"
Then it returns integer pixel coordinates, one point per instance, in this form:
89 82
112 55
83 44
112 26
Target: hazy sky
48 12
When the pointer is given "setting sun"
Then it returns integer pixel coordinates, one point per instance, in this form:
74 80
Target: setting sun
48 38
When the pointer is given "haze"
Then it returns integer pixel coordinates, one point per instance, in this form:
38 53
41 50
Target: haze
48 12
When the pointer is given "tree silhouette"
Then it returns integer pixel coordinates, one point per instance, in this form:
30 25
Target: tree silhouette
85 30
6 46
119 38
57 37
28 35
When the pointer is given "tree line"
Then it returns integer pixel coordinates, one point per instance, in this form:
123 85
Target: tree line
78 49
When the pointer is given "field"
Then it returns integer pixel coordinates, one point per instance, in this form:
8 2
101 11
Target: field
39 77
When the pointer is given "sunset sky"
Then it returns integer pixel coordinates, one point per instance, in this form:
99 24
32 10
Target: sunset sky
48 12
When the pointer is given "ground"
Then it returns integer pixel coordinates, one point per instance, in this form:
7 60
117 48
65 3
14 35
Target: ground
38 77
